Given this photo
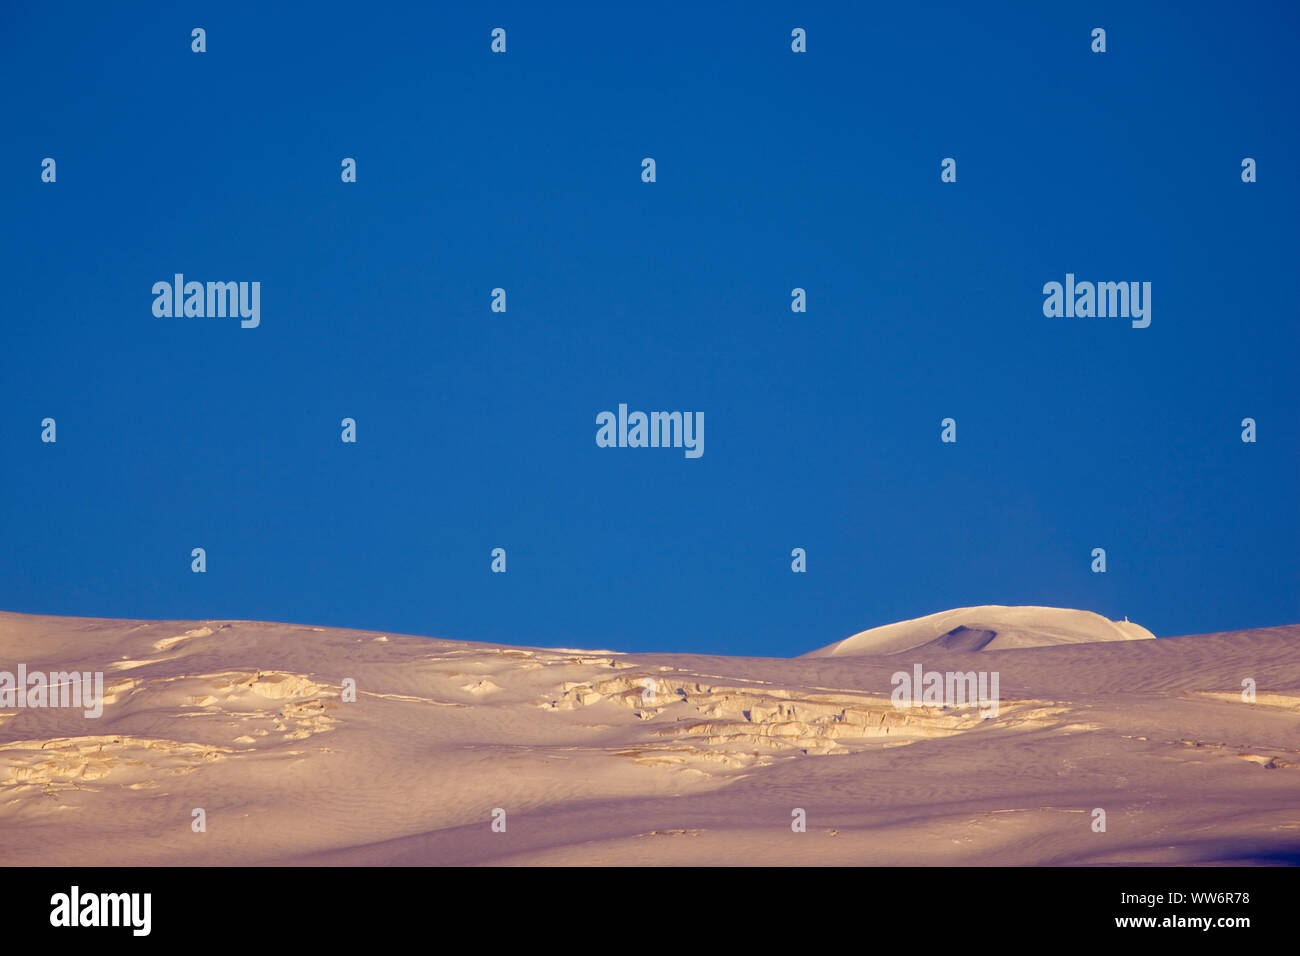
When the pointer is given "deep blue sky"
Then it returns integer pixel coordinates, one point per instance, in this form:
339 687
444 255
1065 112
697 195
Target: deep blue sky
775 170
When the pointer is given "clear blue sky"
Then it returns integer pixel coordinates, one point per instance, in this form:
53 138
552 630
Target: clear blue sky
477 430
